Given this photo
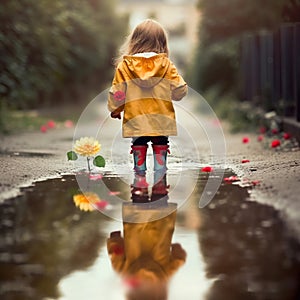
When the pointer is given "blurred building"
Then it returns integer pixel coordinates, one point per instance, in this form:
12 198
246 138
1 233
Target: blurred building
179 17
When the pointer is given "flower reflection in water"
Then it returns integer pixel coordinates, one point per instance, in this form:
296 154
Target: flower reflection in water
88 201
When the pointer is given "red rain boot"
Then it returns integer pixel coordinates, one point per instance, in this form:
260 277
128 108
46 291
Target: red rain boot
139 157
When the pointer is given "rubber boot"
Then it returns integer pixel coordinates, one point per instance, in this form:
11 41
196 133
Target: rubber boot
160 157
139 191
139 157
160 187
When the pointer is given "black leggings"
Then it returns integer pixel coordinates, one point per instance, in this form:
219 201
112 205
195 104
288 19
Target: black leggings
156 140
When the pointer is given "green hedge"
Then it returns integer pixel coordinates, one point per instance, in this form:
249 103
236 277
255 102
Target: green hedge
52 48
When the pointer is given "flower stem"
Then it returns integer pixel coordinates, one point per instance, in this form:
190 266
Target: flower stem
88 163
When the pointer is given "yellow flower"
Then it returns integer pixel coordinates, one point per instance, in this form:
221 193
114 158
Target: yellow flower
87 146
85 201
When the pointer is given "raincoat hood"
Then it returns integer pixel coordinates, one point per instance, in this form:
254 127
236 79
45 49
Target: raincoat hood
146 70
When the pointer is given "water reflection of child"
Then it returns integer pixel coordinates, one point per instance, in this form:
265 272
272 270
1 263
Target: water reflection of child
144 85
146 257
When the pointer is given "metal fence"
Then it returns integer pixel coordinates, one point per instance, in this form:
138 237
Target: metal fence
270 70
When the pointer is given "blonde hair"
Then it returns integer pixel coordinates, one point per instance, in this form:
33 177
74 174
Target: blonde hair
148 36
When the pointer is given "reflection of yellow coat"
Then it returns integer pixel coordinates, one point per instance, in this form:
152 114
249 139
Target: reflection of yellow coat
146 251
149 84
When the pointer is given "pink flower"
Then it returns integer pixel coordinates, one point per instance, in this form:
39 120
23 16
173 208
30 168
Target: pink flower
51 124
260 138
275 143
231 179
245 140
207 169
69 124
43 128
119 96
286 136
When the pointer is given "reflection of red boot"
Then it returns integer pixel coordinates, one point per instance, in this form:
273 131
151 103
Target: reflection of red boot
139 191
160 189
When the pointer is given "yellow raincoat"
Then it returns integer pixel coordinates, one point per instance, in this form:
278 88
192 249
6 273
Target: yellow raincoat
144 87
146 252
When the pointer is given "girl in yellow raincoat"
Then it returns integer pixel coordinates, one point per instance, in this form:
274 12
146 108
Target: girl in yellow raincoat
144 85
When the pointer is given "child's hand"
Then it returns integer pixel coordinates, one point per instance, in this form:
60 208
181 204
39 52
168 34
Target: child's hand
178 252
116 115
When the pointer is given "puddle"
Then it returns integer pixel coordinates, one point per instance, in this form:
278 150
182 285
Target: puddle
232 249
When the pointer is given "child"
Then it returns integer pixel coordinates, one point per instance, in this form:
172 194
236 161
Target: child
144 85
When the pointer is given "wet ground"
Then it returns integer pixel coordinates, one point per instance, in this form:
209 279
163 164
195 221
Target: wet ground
232 249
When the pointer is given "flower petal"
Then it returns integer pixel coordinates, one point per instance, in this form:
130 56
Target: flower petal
245 161
245 140
69 124
43 128
51 124
231 179
275 143
255 182
87 146
101 204
260 138
114 193
95 176
207 169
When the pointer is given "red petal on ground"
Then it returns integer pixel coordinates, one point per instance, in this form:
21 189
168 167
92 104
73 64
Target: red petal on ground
255 182
286 136
275 143
207 169
43 128
245 161
245 140
51 124
69 124
260 138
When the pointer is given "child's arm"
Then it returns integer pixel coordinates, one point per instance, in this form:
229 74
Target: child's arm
178 257
117 95
179 87
115 248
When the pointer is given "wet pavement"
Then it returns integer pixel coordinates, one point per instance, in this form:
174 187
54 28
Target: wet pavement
233 248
